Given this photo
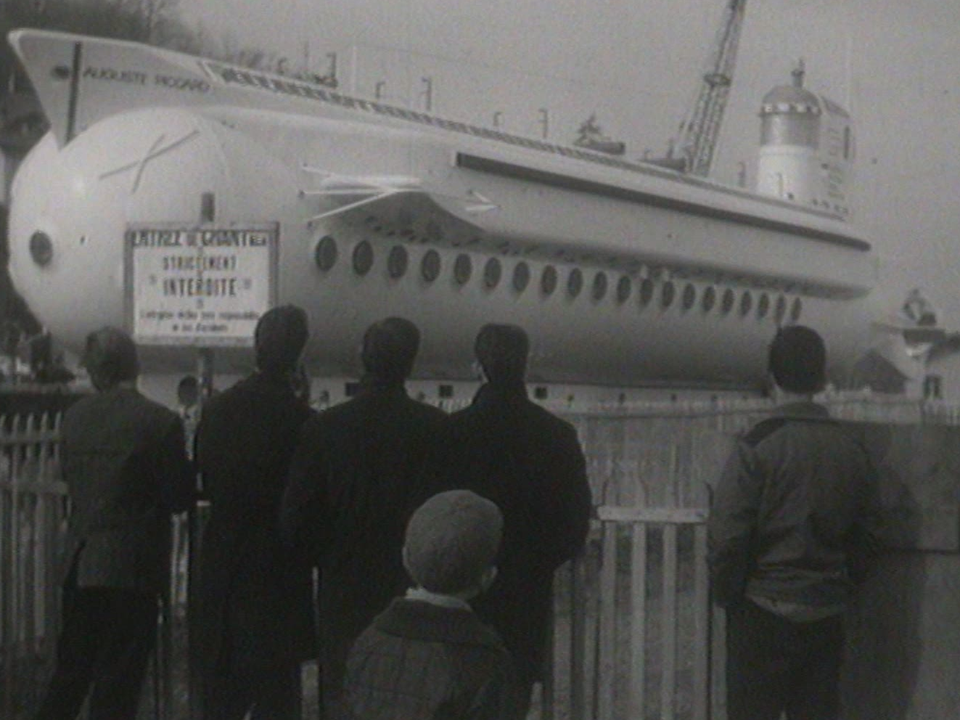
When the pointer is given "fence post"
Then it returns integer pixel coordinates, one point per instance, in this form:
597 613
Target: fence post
7 556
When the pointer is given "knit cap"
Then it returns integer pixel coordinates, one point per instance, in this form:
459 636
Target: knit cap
451 540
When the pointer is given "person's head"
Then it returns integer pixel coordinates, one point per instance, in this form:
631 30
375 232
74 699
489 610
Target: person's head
452 542
279 338
390 348
502 352
798 360
188 391
110 357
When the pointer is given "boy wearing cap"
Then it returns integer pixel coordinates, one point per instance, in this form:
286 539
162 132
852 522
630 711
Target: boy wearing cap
427 655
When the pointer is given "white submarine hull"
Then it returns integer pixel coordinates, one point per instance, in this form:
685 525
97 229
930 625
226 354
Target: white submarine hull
624 274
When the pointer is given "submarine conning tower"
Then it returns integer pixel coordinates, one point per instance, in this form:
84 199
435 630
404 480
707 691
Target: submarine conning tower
806 148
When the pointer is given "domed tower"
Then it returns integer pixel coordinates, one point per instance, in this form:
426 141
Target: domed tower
806 147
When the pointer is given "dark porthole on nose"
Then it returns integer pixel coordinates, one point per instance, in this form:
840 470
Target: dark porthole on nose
41 248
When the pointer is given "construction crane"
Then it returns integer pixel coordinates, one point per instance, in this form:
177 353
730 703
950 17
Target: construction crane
692 150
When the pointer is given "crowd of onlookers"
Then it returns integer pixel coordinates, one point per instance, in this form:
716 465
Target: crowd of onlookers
435 537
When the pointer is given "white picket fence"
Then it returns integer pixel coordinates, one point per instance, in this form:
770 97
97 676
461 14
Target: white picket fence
634 635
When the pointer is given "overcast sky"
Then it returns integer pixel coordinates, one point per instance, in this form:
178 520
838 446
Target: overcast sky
894 64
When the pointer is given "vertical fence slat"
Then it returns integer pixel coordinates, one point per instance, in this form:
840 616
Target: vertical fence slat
669 624
578 638
548 687
638 621
607 669
6 592
701 625
31 514
11 658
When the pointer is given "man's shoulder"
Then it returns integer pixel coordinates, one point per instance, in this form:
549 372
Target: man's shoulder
423 621
521 409
388 408
824 433
227 400
762 430
130 405
252 394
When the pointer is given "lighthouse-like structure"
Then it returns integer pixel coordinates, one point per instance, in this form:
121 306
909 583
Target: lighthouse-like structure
806 148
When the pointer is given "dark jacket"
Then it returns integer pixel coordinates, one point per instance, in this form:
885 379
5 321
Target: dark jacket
125 465
354 481
529 462
254 601
418 661
796 512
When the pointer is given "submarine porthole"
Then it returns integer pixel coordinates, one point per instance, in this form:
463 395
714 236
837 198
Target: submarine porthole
729 300
492 272
430 266
41 248
575 282
796 310
646 292
708 299
763 306
521 277
599 286
397 262
548 280
325 253
667 294
462 269
362 258
781 310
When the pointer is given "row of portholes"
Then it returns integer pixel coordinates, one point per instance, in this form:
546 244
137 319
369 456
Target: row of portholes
326 254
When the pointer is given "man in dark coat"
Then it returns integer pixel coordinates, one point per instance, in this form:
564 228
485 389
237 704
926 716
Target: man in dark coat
354 481
510 450
253 621
125 466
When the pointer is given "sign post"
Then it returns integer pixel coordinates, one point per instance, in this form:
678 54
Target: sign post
202 285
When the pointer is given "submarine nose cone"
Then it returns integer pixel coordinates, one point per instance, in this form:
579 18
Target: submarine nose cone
71 206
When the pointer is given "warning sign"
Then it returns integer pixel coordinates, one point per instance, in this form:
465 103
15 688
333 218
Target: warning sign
201 285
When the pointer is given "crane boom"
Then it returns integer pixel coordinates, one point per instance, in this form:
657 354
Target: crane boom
698 135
